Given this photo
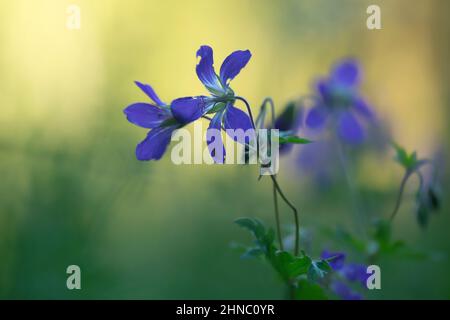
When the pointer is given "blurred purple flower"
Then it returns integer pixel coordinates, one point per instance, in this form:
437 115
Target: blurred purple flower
343 291
339 103
347 272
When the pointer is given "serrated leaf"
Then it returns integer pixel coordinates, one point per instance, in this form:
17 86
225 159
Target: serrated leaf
289 266
318 270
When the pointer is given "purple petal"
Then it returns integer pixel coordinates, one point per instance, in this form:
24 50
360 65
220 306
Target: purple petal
346 73
214 138
356 272
233 64
349 129
363 108
205 68
316 118
324 89
344 291
188 109
155 144
145 115
148 90
338 259
235 119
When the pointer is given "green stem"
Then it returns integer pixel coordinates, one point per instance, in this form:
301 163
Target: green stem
277 217
249 110
400 195
294 210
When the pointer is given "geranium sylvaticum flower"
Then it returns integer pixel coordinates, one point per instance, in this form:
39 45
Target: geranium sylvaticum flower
156 116
339 104
345 273
219 102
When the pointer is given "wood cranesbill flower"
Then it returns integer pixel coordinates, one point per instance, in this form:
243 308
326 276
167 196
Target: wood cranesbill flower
156 116
339 103
221 99
345 273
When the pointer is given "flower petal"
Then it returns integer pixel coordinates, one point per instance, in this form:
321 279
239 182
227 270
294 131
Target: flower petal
188 109
148 90
363 108
145 115
346 73
235 119
356 272
344 291
214 138
349 129
338 259
316 117
155 144
233 64
205 69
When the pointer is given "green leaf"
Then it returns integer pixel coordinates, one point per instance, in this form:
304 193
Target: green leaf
409 161
289 266
307 290
401 155
293 139
299 266
253 225
318 270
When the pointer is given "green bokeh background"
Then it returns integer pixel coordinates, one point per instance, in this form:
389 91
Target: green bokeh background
72 192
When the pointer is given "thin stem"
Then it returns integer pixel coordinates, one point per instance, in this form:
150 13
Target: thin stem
249 110
400 195
272 109
275 198
297 225
277 216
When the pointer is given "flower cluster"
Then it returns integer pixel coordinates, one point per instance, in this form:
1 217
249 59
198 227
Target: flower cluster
165 118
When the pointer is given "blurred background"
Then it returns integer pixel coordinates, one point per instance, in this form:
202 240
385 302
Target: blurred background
72 192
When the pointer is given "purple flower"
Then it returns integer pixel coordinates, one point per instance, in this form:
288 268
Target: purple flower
155 116
336 260
339 103
221 100
343 291
346 272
